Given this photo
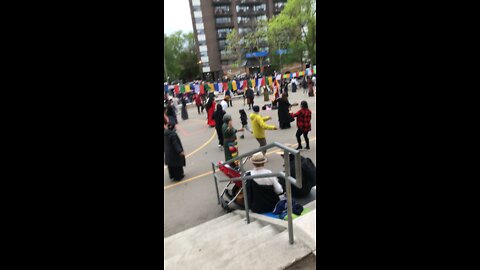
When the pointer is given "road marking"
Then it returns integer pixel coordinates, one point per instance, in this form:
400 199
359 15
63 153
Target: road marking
199 148
210 172
203 145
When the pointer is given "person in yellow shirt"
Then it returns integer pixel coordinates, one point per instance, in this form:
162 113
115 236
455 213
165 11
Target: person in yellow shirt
259 126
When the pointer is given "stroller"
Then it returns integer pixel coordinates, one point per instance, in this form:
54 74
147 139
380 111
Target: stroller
232 194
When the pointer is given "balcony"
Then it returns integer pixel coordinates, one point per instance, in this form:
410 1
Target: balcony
251 12
251 2
224 24
222 35
222 12
222 2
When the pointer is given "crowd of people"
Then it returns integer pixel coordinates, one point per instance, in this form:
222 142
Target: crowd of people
224 124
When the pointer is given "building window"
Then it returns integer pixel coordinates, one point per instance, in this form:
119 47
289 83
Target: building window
242 8
205 64
203 54
261 7
222 33
243 30
196 8
200 32
222 10
243 19
202 42
223 20
198 20
261 17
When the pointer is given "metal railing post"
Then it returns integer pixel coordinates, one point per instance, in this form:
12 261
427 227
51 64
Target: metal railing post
216 182
245 194
298 170
289 196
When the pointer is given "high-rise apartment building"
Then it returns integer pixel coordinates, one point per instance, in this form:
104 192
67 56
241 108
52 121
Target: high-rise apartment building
214 19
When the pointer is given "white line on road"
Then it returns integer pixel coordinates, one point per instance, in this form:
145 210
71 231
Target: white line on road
210 172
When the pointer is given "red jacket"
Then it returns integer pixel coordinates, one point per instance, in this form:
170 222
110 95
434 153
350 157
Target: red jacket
304 116
198 100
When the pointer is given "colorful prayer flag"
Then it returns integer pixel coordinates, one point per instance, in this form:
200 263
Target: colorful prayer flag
187 88
253 83
197 88
234 85
166 88
225 86
176 88
244 84
270 83
263 81
182 88
202 89
230 87
249 83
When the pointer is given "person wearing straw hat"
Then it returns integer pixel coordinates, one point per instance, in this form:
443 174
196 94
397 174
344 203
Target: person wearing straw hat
258 161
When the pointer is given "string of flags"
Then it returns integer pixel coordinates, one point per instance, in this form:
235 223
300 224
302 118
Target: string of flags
235 85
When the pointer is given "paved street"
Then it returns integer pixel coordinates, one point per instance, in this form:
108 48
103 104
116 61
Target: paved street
192 201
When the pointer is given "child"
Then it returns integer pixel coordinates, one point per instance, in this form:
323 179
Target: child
244 120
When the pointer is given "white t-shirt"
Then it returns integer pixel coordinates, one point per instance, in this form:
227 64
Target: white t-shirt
224 105
268 181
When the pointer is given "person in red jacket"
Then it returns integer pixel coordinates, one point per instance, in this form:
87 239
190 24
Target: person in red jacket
198 102
304 117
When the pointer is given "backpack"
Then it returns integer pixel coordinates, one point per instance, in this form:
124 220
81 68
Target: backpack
309 177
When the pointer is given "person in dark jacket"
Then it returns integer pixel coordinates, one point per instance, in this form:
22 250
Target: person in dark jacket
250 95
228 98
184 108
284 117
174 155
171 114
218 117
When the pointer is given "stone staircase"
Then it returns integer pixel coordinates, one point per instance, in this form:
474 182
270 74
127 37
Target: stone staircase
228 242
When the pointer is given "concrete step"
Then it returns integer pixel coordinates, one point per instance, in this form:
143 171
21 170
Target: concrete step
214 255
191 233
311 205
277 253
198 240
199 227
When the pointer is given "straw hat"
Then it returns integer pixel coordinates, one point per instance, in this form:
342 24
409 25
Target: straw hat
258 158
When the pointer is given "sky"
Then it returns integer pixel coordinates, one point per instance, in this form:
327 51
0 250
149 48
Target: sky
176 16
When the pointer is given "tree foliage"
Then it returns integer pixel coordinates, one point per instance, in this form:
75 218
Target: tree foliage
180 57
234 46
294 29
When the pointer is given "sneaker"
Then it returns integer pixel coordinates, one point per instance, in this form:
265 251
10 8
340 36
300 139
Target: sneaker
219 146
299 147
308 147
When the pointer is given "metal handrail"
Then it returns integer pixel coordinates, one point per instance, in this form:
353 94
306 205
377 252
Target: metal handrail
288 179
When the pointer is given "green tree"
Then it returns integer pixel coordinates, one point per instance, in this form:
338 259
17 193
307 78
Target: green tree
235 47
295 29
180 57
